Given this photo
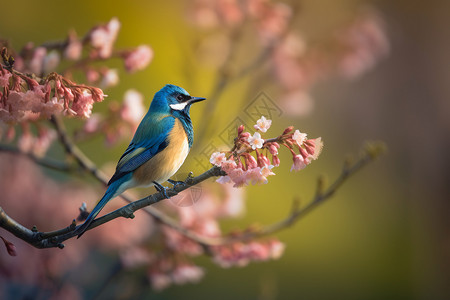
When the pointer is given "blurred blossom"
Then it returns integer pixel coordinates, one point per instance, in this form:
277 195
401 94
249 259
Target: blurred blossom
133 257
110 78
364 43
273 21
73 48
187 273
103 37
92 75
37 60
296 103
138 59
93 123
21 178
159 280
51 61
132 109
240 254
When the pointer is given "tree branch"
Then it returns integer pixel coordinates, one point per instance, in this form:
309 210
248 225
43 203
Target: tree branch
56 238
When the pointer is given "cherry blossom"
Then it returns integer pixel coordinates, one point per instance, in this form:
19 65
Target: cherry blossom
263 124
255 141
138 59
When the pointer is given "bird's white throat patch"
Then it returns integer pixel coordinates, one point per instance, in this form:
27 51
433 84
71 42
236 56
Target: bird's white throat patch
178 106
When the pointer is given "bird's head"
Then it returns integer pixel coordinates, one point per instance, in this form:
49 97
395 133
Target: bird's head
172 98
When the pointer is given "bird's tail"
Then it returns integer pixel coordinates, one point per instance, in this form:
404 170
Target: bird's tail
109 194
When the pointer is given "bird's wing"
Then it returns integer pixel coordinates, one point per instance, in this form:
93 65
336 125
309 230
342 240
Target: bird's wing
141 149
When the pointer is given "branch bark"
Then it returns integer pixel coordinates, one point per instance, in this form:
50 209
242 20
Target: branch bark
56 238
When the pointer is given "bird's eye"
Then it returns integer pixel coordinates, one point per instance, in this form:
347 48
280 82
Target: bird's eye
180 98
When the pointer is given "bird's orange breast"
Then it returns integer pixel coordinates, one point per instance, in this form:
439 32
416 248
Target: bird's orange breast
167 162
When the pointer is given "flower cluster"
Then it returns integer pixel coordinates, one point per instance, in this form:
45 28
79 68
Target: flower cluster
121 120
31 90
248 161
349 52
241 254
25 99
269 18
296 64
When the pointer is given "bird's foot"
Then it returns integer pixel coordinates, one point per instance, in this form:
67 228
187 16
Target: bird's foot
176 182
187 181
161 189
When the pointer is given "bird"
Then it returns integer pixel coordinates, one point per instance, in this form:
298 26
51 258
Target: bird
159 147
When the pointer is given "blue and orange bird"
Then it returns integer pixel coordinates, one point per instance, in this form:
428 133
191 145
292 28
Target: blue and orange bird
158 149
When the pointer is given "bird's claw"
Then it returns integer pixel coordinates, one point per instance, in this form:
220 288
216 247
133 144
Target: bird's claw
161 189
176 182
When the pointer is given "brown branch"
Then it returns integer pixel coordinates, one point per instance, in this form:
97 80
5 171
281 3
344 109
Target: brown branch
56 238
89 166
371 153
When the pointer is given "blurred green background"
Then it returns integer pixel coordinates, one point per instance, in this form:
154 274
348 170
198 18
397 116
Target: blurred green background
385 235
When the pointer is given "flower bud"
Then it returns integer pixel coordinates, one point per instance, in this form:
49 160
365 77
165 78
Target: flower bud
272 149
275 161
289 129
241 129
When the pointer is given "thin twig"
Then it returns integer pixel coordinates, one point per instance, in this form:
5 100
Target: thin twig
55 238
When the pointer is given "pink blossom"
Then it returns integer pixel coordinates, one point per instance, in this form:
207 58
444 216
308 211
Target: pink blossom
263 124
133 257
26 142
256 141
187 273
37 60
299 137
92 75
267 171
204 15
43 142
224 180
299 163
314 147
83 105
275 161
103 37
92 124
159 281
217 158
73 49
110 78
138 59
230 11
274 21
4 78
51 61
276 249
297 102
132 109
365 42
52 107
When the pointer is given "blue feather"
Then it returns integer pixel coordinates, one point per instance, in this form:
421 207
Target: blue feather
151 138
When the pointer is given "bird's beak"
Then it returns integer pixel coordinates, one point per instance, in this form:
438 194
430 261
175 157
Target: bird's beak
195 99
